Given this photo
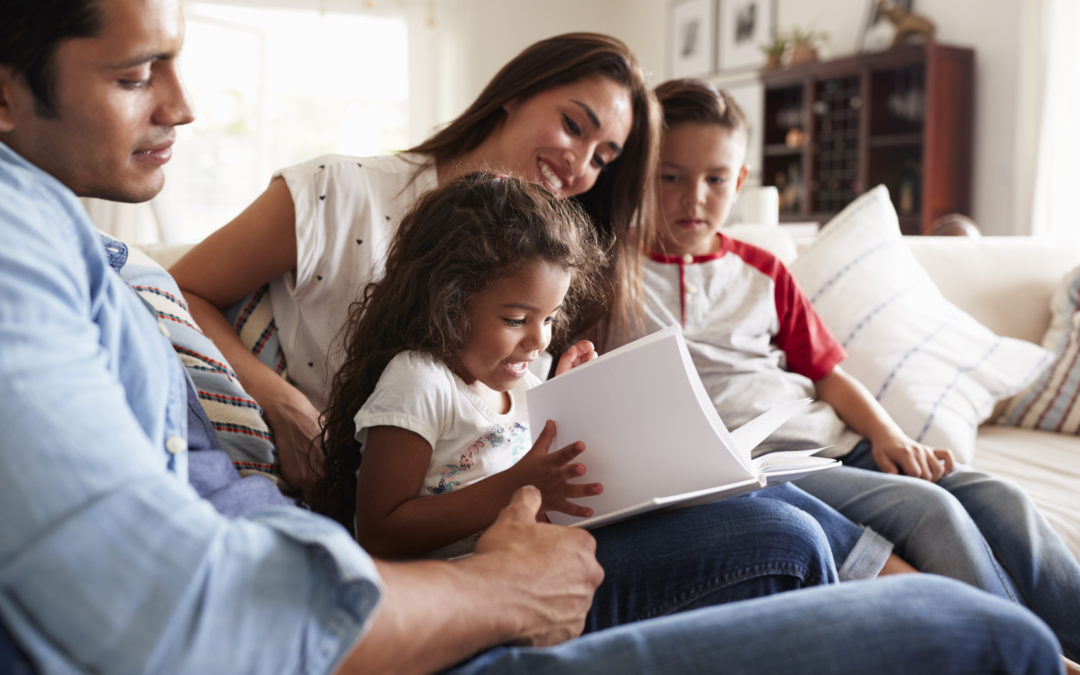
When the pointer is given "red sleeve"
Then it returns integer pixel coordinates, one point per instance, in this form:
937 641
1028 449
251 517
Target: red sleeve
810 348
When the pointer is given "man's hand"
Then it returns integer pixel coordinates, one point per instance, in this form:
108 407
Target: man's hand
548 573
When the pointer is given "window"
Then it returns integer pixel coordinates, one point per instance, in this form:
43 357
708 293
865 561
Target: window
276 86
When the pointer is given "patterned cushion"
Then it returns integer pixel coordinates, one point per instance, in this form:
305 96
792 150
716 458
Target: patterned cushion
936 370
1052 402
236 417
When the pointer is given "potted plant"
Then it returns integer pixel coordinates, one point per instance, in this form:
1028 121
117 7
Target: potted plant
804 44
774 52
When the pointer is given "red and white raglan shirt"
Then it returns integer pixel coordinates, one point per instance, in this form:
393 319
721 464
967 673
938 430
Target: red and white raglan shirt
754 337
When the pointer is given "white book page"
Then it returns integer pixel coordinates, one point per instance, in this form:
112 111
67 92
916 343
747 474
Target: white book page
645 429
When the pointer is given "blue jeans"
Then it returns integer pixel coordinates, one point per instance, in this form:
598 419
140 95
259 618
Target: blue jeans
773 540
969 526
902 624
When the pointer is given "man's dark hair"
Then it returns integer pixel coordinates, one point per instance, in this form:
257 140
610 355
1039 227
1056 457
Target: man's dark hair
31 30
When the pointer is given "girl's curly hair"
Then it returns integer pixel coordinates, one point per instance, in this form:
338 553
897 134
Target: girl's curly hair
456 240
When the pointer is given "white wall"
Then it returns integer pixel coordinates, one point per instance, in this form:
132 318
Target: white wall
1003 33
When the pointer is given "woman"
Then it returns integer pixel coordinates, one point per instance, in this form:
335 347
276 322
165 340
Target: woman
572 112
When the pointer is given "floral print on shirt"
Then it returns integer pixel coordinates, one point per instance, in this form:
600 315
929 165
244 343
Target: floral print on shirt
507 439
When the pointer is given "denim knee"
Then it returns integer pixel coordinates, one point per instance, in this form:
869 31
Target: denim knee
801 538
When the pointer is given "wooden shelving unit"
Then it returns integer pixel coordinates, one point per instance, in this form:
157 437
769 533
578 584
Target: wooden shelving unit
902 117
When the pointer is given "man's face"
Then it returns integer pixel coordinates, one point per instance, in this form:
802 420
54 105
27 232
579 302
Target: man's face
118 98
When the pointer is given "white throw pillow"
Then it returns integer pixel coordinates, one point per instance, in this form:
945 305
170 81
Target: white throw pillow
934 368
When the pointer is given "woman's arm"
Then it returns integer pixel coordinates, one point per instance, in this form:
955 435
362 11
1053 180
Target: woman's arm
893 450
255 247
393 521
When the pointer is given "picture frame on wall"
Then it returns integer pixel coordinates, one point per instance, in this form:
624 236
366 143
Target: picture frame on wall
691 37
743 28
878 31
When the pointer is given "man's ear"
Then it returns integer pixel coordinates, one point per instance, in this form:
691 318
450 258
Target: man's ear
7 98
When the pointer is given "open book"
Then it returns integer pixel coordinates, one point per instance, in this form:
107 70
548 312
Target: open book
652 435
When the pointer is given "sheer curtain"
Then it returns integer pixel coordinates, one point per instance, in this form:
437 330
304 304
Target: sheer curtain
1055 209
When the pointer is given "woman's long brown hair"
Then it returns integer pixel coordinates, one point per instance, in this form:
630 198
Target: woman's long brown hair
457 239
620 203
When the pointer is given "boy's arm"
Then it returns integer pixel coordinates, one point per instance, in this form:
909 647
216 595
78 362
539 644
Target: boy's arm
893 450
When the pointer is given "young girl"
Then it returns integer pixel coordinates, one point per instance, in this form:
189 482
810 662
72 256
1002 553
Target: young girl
757 341
481 274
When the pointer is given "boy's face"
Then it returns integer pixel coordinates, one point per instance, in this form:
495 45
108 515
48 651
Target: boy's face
701 173
118 97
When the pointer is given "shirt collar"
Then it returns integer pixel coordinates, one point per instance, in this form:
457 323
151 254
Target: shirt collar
725 246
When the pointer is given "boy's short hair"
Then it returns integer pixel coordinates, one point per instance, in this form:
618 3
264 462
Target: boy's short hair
691 100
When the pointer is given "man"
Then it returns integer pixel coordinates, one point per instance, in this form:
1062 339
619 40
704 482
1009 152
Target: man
110 561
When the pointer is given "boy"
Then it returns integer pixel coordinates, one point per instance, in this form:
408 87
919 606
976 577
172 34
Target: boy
757 341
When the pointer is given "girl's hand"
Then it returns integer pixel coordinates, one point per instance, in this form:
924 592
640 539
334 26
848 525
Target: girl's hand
550 473
901 454
580 352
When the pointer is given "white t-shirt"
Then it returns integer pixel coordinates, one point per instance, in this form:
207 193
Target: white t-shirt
469 441
347 211
753 336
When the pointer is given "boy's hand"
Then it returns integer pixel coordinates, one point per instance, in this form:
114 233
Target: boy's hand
900 454
580 352
550 473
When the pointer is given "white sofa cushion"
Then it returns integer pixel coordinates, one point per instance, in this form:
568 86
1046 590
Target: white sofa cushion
934 368
1045 465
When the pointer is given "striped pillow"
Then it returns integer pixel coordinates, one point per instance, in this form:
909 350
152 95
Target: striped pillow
936 370
1052 402
237 418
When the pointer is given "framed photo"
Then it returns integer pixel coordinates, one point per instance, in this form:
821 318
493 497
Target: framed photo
691 38
877 30
744 26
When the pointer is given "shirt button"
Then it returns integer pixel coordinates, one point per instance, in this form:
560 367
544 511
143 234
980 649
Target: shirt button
691 289
175 445
688 258
163 328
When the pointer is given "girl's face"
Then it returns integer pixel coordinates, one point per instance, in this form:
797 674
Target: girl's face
701 173
564 136
510 324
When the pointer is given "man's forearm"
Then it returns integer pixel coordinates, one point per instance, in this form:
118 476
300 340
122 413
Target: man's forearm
528 583
432 615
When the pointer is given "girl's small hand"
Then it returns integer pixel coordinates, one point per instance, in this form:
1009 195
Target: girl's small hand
580 352
550 473
900 454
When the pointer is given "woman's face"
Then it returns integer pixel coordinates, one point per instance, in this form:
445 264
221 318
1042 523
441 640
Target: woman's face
564 136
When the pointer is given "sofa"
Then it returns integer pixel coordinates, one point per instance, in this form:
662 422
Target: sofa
1014 288
1001 287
